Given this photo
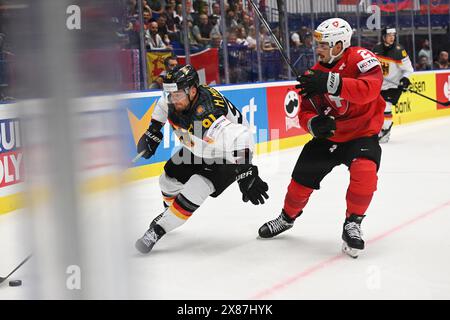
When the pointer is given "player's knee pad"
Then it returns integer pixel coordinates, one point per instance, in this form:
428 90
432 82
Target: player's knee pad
169 186
363 176
197 189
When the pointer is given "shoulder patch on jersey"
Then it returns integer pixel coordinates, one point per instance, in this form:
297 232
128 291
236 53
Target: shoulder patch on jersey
367 64
216 128
199 110
404 54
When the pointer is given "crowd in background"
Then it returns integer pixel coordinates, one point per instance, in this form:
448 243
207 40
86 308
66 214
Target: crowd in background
164 30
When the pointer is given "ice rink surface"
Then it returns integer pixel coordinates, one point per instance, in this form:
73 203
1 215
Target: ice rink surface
216 254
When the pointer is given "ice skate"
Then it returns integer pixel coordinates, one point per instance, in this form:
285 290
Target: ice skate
352 236
158 217
385 134
276 226
149 239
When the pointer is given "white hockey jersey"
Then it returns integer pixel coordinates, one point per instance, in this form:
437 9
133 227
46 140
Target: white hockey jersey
395 63
213 128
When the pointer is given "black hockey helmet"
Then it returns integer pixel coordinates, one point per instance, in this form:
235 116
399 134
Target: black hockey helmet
388 29
176 85
183 77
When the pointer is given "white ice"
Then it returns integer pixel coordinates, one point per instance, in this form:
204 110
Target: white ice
216 254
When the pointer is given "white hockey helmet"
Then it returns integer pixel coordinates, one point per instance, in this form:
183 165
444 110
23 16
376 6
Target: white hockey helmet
332 31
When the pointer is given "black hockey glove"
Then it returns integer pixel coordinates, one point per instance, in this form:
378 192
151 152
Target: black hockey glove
404 84
315 82
251 185
150 140
322 127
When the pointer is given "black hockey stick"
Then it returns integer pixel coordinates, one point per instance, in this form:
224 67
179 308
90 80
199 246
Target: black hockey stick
277 43
279 46
445 104
4 278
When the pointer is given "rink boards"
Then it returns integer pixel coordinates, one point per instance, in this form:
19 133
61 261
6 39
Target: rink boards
271 109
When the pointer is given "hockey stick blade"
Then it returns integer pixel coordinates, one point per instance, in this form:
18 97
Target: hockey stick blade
25 260
138 156
445 104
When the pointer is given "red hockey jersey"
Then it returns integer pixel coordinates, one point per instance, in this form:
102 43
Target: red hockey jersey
359 109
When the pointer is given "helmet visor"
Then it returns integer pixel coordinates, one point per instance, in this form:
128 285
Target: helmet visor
172 93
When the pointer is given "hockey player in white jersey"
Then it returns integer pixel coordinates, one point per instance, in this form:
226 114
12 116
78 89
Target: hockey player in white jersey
397 68
217 150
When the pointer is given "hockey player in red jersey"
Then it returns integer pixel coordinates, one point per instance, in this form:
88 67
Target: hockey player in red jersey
343 110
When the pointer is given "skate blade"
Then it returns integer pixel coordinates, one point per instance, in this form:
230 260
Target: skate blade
352 252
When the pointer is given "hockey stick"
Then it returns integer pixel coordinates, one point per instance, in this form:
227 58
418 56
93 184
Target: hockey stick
279 46
277 43
4 278
445 104
138 156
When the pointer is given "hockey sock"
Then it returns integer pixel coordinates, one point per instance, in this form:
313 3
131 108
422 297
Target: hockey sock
194 193
177 214
168 199
296 199
387 116
363 183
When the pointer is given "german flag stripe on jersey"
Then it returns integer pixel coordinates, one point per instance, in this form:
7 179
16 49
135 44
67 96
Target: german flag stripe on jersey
389 59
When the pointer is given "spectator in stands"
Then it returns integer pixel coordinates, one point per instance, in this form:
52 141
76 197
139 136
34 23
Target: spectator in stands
133 9
204 9
170 18
156 5
133 27
178 16
194 45
153 39
247 22
163 31
306 53
238 9
202 31
216 41
215 26
234 51
267 44
251 38
307 45
169 63
241 36
216 12
295 41
425 51
423 64
230 19
442 62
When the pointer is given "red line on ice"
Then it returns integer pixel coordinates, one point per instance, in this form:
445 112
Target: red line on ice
328 262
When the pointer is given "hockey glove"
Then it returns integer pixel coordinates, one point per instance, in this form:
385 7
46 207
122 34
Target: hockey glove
315 82
322 127
404 84
251 185
150 141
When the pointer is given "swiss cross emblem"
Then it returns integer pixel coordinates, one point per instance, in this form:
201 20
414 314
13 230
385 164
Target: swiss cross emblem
336 24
